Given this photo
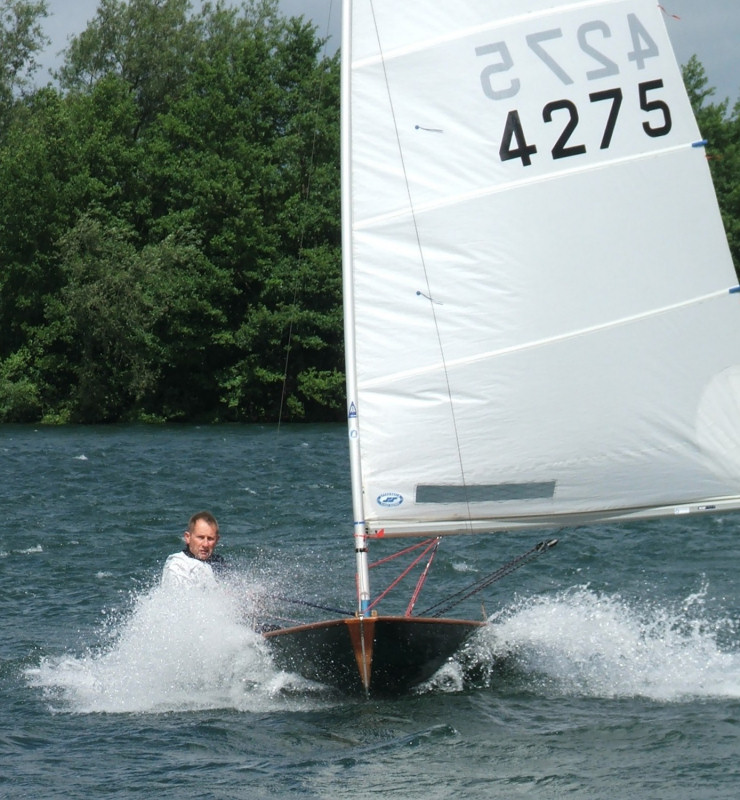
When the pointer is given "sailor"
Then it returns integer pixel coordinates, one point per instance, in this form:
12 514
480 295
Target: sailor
195 564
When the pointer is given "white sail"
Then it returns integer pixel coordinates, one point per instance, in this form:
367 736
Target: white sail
538 282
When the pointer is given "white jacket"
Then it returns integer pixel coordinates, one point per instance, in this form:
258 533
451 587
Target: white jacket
181 569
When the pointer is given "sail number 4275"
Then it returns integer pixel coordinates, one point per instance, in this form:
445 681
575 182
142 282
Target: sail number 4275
514 143
592 37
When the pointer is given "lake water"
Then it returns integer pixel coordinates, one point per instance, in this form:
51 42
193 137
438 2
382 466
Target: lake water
611 668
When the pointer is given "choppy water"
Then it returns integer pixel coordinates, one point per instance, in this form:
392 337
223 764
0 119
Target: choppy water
611 670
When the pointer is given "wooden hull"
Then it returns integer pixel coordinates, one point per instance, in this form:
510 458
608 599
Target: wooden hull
372 655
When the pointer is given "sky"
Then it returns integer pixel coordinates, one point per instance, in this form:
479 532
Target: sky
709 29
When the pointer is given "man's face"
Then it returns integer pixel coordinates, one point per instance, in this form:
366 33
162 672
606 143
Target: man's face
202 541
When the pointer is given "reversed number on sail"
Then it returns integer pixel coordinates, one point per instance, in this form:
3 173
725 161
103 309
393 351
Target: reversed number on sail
591 37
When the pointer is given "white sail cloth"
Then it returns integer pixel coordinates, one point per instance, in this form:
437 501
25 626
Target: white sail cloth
538 277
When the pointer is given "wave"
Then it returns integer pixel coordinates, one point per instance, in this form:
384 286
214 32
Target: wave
593 644
173 650
27 552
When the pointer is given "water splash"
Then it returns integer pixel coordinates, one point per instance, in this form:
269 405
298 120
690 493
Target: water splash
587 643
174 650
180 650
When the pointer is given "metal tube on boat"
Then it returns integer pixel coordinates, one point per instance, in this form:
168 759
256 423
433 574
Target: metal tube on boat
360 536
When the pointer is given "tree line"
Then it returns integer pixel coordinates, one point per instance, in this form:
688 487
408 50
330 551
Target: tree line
169 215
169 218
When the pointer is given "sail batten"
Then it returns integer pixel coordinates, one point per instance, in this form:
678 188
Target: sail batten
485 27
653 312
419 210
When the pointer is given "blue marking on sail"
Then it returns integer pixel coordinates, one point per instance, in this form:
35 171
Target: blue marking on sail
352 410
735 290
700 143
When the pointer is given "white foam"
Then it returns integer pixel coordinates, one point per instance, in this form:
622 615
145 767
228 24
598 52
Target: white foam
596 644
175 650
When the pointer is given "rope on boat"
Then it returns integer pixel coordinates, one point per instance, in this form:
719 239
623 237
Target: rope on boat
295 601
444 606
431 545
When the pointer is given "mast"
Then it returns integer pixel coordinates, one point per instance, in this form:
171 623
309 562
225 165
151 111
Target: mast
353 426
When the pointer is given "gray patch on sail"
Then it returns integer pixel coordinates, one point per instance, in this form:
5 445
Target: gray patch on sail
484 493
718 424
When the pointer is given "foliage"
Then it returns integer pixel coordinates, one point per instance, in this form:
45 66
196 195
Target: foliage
21 37
169 215
721 129
170 222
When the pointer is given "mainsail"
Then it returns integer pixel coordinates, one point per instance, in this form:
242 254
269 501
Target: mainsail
542 327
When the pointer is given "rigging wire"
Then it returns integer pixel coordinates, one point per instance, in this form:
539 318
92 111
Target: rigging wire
431 546
443 606
422 580
429 294
302 234
296 289
296 601
403 552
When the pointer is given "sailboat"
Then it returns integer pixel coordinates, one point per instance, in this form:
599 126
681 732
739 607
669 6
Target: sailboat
542 314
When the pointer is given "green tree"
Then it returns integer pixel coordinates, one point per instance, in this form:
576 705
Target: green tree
722 132
146 43
248 157
20 397
726 171
98 338
38 175
21 38
132 328
170 222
